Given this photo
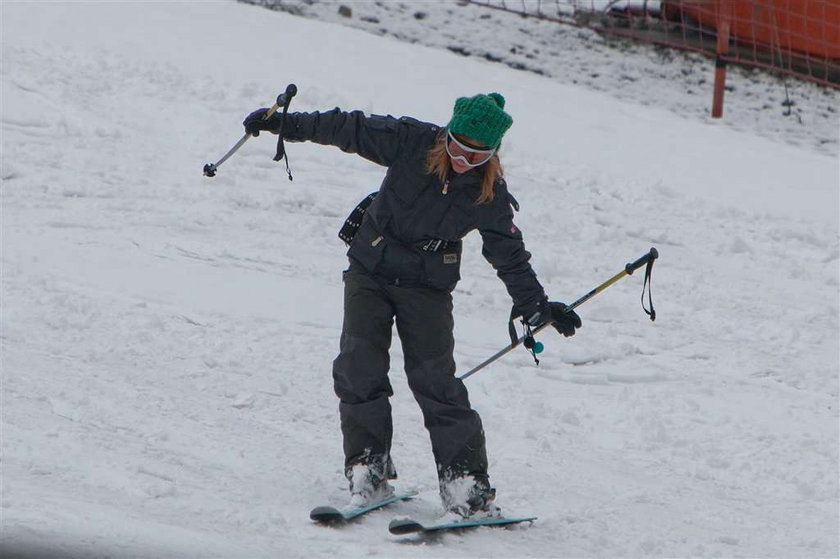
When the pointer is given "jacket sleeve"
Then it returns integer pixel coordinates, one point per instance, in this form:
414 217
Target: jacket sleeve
505 250
376 138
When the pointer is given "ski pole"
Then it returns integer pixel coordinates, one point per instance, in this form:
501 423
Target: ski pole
282 101
528 338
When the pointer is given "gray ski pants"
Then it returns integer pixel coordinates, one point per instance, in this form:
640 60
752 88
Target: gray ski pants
360 372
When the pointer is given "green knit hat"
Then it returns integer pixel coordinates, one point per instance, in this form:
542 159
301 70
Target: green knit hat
481 118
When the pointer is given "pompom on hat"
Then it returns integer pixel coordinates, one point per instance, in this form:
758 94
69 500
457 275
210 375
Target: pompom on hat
481 117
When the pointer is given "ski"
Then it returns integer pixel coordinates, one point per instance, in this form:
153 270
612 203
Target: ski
333 515
410 526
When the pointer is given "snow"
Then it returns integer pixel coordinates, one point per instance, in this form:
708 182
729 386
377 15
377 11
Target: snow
167 338
785 110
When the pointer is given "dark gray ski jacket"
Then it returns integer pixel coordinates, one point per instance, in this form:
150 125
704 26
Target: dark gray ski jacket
413 207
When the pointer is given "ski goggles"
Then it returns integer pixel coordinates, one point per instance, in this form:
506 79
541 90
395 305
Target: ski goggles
465 153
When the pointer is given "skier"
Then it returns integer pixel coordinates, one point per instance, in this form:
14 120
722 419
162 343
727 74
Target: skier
441 183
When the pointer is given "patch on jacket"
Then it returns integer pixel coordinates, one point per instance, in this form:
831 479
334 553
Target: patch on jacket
451 258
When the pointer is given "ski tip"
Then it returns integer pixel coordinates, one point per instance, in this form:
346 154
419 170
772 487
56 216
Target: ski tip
399 527
326 515
332 515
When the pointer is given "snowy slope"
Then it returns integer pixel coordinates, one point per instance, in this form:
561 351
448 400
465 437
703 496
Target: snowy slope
783 109
167 338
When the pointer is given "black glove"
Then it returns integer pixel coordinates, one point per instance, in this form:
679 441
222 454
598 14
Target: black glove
254 122
565 322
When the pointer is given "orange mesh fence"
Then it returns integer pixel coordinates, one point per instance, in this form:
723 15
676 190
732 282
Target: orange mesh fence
795 37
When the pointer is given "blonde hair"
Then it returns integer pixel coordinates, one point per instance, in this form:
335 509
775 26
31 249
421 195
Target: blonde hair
438 163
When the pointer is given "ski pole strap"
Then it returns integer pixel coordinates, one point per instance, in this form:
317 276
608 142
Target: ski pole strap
527 339
283 100
529 343
647 285
514 337
281 151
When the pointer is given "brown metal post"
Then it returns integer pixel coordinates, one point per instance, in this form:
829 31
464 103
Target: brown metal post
724 19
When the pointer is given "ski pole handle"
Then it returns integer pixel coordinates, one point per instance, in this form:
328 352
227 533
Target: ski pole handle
284 98
633 266
282 101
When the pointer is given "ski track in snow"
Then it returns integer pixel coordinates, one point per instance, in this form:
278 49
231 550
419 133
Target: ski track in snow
167 338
